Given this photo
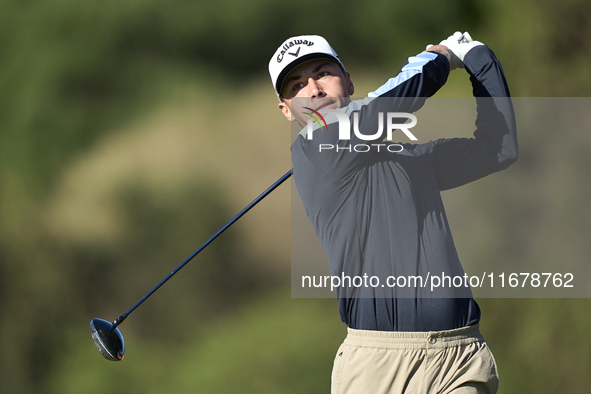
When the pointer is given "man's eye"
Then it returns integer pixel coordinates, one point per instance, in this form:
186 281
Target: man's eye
323 74
298 86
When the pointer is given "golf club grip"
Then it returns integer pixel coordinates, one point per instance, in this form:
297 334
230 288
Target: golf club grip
120 319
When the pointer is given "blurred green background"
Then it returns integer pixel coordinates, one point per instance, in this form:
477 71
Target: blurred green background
131 131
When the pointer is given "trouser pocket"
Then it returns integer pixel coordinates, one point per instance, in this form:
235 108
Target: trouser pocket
337 369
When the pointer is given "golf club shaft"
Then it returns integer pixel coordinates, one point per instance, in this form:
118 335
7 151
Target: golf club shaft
196 252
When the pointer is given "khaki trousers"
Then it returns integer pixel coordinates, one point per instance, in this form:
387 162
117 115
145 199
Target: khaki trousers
382 362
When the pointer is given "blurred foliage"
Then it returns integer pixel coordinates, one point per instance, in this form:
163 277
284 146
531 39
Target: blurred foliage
77 81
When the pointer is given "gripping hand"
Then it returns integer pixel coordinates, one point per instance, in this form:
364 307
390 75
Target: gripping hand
459 44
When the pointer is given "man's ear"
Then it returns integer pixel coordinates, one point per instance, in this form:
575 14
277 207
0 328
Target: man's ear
349 83
286 110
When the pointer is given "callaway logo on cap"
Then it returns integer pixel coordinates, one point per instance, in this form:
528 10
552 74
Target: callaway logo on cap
296 50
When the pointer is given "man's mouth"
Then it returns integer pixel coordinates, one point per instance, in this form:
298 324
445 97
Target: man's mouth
324 105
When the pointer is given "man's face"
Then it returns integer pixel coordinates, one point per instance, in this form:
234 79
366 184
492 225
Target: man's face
315 84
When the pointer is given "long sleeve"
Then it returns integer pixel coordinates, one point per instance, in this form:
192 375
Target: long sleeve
380 213
494 147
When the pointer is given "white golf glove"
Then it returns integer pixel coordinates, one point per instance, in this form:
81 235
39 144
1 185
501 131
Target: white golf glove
459 44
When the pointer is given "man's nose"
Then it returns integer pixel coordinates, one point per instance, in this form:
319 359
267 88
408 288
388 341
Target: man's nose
314 89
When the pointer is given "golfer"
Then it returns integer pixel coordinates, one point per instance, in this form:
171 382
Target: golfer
376 207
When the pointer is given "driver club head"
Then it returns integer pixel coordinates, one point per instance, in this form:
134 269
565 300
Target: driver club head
108 339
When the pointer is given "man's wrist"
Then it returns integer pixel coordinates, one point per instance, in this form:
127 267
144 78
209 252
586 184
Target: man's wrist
441 50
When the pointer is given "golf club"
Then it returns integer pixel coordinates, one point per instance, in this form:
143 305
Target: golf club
107 337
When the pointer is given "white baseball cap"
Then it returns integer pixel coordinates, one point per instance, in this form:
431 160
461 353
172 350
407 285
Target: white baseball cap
295 51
